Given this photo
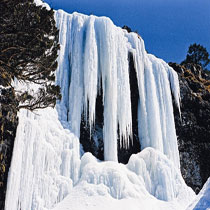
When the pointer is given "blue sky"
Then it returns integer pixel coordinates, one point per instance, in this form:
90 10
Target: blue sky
168 27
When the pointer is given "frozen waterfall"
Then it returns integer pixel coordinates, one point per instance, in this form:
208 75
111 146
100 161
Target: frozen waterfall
47 165
93 50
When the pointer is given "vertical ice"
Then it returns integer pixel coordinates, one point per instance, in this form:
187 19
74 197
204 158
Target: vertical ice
45 163
97 58
98 51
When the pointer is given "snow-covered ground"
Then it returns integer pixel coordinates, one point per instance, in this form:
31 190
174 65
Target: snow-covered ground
148 181
47 170
79 199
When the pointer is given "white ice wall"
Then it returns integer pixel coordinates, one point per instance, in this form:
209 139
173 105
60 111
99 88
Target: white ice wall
94 49
45 162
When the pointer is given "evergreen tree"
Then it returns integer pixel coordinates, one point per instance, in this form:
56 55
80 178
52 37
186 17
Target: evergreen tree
197 54
28 51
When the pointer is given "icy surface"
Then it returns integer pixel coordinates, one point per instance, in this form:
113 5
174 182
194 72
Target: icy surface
46 165
109 185
148 172
202 200
45 162
94 55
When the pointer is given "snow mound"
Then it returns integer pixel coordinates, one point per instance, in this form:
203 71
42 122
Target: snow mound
202 200
148 175
114 179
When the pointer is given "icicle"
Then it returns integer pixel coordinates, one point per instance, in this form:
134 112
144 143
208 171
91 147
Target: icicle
167 125
90 71
156 120
174 82
108 68
63 71
76 89
124 97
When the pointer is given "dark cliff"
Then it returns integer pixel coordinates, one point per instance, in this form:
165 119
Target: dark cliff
8 125
193 129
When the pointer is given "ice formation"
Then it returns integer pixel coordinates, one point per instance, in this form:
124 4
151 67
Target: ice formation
45 162
94 50
46 165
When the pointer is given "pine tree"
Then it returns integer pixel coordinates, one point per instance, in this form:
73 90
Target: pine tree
28 51
197 54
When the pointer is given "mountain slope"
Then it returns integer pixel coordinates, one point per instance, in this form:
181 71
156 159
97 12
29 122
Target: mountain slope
193 130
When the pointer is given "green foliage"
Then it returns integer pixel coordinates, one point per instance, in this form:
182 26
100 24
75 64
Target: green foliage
28 50
197 54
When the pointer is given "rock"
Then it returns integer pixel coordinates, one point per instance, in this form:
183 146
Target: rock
8 125
193 129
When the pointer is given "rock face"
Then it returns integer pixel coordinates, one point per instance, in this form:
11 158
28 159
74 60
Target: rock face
193 129
8 125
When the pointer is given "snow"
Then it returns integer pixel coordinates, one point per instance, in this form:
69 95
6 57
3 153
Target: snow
41 3
82 200
109 185
47 170
202 200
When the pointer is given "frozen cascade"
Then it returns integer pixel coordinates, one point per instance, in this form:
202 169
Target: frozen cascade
45 162
93 50
46 165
